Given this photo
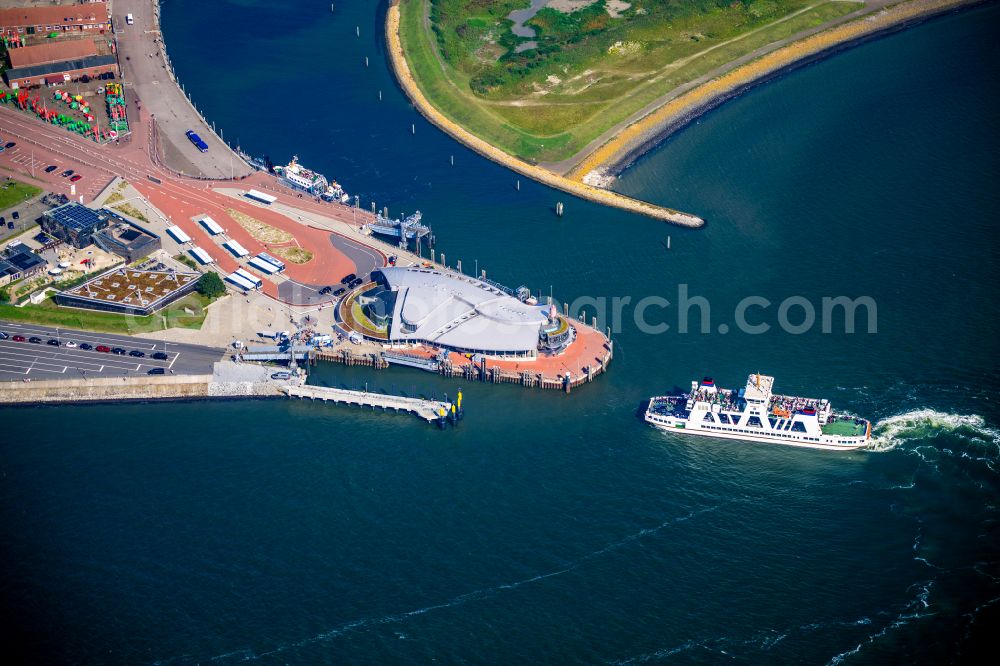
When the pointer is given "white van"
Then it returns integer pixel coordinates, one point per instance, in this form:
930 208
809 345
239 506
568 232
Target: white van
129 19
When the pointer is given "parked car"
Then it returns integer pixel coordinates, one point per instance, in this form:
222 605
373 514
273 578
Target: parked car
103 349
16 215
356 282
281 375
35 341
67 173
3 336
325 290
340 291
155 371
118 350
160 356
75 178
18 338
347 279
9 144
53 342
84 346
137 354
50 168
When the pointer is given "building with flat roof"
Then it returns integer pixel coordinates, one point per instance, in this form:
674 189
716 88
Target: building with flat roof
58 62
64 18
129 291
126 238
19 261
74 223
451 311
80 226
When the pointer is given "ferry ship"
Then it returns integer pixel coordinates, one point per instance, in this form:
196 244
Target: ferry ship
756 414
310 181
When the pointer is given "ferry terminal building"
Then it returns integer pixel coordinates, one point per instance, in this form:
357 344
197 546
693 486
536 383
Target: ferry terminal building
429 306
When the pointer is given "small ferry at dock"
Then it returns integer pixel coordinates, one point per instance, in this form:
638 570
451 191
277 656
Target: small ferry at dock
311 181
755 413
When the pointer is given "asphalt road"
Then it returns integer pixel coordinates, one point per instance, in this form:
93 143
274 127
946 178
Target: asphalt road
141 57
24 360
365 260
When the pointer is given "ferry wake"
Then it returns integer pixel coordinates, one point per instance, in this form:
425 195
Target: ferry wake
756 414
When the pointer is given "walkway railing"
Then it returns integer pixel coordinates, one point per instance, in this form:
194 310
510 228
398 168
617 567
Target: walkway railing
429 410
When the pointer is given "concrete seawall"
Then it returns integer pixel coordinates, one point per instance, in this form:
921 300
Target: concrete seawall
540 174
105 389
229 380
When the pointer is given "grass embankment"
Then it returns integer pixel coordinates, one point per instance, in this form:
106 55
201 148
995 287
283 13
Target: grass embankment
483 147
14 192
187 261
590 71
261 231
294 254
688 104
50 314
272 236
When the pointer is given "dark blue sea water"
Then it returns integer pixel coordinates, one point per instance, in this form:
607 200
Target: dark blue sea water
551 528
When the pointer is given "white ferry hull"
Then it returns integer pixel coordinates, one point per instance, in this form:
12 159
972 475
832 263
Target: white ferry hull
856 443
756 414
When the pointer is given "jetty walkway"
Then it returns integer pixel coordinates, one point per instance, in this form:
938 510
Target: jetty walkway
429 410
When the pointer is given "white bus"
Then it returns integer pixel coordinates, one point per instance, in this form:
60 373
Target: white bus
249 277
178 235
263 266
204 257
240 282
272 260
261 197
211 225
236 248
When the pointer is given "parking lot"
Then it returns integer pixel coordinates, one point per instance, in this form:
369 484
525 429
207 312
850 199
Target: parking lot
25 158
21 361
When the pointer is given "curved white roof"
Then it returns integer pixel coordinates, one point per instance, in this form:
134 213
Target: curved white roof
457 311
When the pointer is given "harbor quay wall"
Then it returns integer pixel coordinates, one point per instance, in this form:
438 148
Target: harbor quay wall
113 389
540 174
471 372
104 389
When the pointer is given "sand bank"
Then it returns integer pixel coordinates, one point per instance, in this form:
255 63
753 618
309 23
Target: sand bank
617 153
542 175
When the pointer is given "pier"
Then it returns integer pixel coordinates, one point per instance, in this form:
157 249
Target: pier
406 229
429 410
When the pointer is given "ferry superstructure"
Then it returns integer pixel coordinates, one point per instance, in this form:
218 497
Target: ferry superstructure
755 413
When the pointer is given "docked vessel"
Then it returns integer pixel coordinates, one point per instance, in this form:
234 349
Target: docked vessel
757 414
311 181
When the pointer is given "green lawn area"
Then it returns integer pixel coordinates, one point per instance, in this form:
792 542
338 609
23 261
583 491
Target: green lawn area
50 314
361 319
13 192
187 261
590 70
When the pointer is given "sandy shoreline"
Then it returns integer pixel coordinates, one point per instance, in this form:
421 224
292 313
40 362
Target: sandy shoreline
542 175
597 171
618 153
